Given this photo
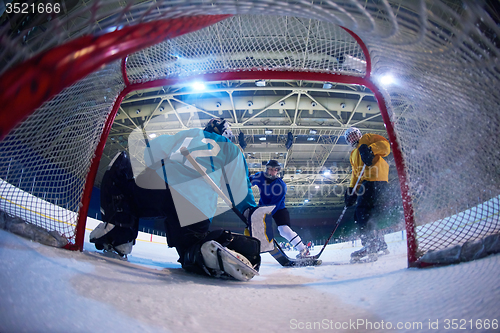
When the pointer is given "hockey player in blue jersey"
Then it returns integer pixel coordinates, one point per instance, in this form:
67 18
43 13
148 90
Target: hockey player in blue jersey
273 192
168 186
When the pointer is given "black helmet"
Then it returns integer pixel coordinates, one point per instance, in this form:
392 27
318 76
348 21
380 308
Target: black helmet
219 126
273 164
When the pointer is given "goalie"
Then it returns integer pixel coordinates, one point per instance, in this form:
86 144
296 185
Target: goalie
169 187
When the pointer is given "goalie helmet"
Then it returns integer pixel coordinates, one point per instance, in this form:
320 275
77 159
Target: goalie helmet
219 126
272 164
352 136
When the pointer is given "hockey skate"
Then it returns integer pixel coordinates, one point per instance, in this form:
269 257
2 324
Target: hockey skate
367 253
303 254
104 238
382 247
224 260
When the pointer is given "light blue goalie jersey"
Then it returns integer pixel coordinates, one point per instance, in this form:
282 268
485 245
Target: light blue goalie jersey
213 153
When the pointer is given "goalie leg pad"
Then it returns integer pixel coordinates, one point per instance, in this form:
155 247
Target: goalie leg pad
223 260
259 228
192 260
247 246
117 196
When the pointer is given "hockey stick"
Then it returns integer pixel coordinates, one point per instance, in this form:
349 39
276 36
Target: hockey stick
340 217
209 181
277 252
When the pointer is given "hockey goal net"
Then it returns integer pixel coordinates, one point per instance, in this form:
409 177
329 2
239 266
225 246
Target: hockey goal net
64 74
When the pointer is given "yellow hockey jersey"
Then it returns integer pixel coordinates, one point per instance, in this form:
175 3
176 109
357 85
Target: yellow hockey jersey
379 170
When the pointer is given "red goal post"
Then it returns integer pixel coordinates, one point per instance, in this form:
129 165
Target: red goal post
61 102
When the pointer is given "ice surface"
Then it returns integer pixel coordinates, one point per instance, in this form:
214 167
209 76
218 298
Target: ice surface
45 289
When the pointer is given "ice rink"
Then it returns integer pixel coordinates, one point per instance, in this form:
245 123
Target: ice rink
45 289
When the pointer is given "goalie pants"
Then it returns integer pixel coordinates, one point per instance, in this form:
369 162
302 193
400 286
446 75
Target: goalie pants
160 203
370 206
182 238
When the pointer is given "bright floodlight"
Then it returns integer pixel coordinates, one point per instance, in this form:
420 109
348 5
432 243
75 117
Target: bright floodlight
198 86
386 80
327 173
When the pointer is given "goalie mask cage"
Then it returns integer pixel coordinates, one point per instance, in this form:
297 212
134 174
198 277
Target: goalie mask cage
64 75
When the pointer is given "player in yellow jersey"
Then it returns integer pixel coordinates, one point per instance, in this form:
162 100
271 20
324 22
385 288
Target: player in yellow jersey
369 150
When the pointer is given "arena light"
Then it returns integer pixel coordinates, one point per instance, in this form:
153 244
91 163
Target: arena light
260 83
386 80
198 86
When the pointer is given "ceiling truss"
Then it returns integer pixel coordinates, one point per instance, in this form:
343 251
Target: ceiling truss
316 167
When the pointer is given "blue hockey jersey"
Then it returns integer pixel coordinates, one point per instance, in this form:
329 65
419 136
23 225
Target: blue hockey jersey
271 192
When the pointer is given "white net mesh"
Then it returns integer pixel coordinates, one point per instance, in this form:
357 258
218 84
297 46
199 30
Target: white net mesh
252 43
48 156
444 107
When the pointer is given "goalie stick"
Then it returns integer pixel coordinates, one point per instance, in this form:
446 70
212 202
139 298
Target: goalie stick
276 252
316 256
